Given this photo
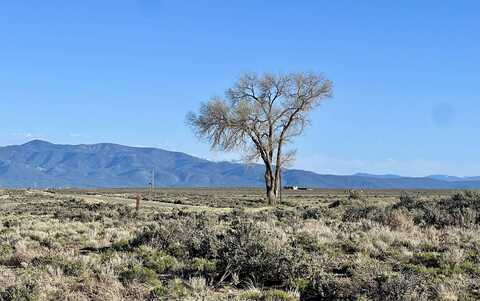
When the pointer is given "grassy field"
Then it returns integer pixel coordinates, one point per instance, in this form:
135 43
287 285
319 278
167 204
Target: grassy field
205 244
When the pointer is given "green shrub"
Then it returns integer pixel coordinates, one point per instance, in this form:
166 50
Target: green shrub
251 295
11 223
247 248
354 214
270 295
429 259
259 251
24 292
140 274
461 209
313 213
157 261
204 265
307 242
180 236
354 195
68 266
6 250
278 295
177 289
158 292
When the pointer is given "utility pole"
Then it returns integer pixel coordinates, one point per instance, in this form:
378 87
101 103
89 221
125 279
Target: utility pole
153 184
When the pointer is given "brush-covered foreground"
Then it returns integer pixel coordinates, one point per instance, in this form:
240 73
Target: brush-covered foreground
226 245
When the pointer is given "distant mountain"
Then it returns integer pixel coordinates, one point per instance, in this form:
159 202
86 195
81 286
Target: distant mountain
453 179
367 175
446 178
43 164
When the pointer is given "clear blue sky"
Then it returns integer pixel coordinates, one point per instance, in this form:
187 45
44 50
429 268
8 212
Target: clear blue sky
406 75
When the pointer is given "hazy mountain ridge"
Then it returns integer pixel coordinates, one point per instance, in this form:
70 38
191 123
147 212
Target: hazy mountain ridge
453 178
43 164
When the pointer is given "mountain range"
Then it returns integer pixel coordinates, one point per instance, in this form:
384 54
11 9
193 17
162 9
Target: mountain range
43 164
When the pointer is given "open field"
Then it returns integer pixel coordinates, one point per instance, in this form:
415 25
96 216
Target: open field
226 244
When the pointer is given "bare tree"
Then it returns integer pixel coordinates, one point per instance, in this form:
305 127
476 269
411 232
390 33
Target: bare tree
258 116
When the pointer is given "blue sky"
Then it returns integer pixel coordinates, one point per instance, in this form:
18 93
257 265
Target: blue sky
406 75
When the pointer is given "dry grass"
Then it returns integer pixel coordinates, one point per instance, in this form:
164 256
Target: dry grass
227 245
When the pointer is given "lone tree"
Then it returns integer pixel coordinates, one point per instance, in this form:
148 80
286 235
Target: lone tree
258 116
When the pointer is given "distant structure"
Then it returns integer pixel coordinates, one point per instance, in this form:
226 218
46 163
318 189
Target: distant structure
296 188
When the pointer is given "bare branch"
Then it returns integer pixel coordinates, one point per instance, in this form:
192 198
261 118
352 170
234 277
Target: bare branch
259 115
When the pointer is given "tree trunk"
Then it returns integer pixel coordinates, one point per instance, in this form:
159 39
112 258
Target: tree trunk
272 198
273 189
